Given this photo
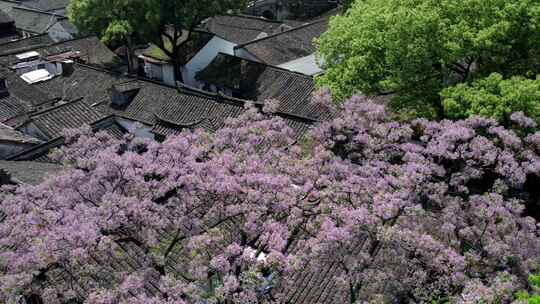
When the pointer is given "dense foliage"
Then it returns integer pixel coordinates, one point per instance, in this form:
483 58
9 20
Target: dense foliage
528 298
415 48
167 24
494 97
409 212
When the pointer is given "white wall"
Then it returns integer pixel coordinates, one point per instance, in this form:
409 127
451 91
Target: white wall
204 57
168 74
136 128
306 65
243 53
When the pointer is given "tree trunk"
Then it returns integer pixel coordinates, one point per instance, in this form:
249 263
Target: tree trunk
176 67
130 55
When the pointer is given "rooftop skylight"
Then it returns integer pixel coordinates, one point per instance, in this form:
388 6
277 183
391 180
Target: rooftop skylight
36 76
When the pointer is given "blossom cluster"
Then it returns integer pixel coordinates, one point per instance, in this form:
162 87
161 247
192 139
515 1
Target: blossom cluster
399 211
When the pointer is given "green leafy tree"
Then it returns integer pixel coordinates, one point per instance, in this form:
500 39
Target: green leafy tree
347 3
494 97
415 48
169 25
114 21
530 298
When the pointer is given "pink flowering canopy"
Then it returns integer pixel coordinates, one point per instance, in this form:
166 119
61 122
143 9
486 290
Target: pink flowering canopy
388 211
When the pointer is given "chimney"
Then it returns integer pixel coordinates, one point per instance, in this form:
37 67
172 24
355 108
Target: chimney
4 92
67 67
5 178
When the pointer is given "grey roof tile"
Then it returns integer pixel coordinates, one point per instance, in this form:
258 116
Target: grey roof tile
32 20
22 100
5 18
92 50
21 45
46 5
40 152
260 82
12 135
287 46
53 121
29 172
153 102
241 28
12 107
166 129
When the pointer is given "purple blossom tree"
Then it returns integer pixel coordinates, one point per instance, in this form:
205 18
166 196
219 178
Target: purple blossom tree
407 212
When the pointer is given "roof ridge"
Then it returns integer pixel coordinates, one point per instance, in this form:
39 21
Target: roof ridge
24 39
72 39
39 11
56 107
253 17
43 45
180 86
268 65
55 142
12 1
210 95
244 101
280 33
128 77
165 120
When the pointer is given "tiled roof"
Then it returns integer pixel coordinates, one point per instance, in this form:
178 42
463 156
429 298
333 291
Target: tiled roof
29 172
166 129
94 84
8 32
153 102
197 42
313 286
68 27
197 111
29 94
5 18
130 257
84 81
260 82
40 152
7 37
287 46
32 20
46 5
9 134
241 28
53 121
7 5
146 103
308 287
92 50
22 45
22 99
12 107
